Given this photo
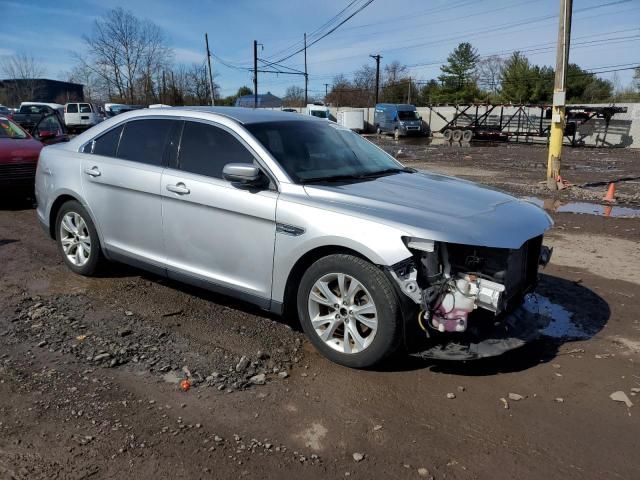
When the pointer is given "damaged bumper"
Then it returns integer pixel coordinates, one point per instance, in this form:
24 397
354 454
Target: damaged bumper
470 300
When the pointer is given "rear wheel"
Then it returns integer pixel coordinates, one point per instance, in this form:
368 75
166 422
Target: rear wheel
467 135
447 134
349 311
457 135
77 239
396 134
378 130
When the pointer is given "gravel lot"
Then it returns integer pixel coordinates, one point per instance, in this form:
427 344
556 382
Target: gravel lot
90 367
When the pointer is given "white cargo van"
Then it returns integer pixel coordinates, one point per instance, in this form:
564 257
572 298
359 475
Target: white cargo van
81 115
318 110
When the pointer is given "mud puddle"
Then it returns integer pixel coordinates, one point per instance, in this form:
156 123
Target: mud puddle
558 206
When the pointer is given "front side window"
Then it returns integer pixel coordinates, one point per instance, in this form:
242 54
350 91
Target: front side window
106 144
49 127
144 140
310 151
72 108
206 149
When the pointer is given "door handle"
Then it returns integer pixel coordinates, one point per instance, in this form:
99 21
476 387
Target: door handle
179 188
93 172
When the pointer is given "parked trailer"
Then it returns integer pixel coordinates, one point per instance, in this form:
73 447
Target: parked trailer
491 122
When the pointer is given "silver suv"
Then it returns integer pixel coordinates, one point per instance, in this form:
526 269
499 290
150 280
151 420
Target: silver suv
299 215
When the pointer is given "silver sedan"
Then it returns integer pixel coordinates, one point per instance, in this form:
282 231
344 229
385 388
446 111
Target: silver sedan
299 216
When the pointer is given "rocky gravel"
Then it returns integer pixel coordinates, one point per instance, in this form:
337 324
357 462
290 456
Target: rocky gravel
74 325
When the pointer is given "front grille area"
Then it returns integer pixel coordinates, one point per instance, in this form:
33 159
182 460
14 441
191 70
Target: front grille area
516 269
17 174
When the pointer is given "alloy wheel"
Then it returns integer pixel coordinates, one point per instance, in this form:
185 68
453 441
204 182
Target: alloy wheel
343 313
75 239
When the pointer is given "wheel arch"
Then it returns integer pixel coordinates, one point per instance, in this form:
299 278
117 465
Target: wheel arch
301 266
57 204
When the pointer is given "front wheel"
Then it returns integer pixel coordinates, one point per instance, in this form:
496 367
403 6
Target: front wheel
349 311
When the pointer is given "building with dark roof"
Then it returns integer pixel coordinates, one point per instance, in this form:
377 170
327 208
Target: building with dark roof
14 91
265 100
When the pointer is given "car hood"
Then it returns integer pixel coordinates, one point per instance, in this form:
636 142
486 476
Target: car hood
439 208
19 150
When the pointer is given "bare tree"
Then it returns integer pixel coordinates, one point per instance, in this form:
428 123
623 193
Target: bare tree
293 97
25 68
126 53
489 72
92 82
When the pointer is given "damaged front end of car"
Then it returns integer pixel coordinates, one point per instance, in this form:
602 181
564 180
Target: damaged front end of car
466 301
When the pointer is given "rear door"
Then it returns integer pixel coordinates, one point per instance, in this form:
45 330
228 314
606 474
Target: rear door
71 116
86 115
216 233
121 181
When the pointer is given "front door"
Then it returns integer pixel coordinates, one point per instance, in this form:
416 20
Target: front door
217 234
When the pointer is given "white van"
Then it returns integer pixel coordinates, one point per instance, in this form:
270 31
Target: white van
318 110
81 115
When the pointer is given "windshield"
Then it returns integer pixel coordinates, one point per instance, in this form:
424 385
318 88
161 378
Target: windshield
9 129
314 151
319 113
405 115
35 109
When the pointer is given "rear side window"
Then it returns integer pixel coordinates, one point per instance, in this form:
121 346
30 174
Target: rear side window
85 108
106 144
144 140
206 149
72 108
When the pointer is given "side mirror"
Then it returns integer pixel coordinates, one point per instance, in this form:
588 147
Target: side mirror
244 174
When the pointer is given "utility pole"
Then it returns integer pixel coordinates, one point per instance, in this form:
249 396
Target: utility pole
326 91
255 74
377 59
206 40
559 95
409 95
306 75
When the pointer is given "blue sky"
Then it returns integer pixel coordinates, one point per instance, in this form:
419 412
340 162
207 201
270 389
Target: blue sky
605 34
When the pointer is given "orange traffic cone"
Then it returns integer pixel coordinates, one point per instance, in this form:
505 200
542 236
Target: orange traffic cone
611 193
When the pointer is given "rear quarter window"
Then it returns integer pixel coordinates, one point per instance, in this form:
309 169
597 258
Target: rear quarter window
106 144
72 108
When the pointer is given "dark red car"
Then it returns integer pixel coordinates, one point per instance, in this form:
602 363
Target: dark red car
19 151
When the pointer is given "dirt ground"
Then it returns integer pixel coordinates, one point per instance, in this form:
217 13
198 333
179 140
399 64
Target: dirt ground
89 367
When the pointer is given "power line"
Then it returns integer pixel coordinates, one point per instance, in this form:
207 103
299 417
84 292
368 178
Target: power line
365 5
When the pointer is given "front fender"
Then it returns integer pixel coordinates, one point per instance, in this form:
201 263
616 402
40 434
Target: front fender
314 228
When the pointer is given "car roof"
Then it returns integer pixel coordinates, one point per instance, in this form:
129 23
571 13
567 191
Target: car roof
52 105
244 115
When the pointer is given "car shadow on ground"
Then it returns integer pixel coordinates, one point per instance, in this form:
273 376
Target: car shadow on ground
588 311
588 315
17 202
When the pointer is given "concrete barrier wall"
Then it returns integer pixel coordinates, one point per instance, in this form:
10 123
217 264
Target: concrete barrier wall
623 130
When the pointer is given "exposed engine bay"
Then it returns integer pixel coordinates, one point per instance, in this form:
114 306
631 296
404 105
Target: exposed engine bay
449 282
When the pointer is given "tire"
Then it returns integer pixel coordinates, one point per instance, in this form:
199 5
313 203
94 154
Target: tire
467 135
378 130
371 336
396 134
457 135
447 134
78 230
